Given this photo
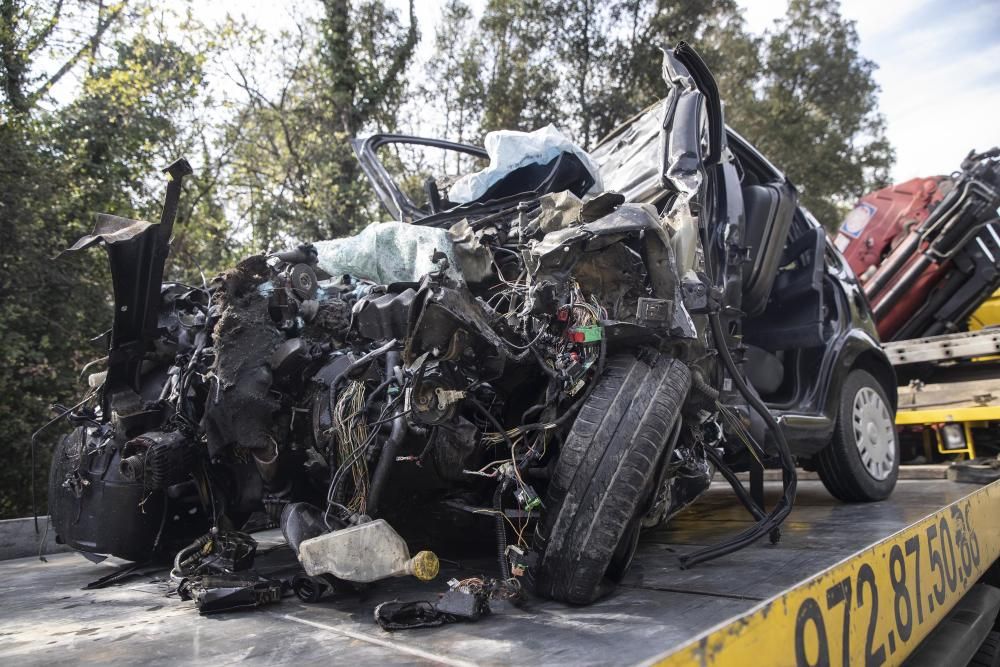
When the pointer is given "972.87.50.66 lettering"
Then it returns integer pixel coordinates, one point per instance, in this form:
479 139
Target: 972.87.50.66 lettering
897 592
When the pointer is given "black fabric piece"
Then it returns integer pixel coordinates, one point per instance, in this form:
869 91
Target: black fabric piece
241 407
396 615
469 600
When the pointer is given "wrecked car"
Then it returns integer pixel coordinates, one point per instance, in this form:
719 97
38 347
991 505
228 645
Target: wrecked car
551 355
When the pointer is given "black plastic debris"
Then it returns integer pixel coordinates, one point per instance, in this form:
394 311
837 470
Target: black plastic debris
980 470
216 553
119 575
466 600
218 593
214 571
464 605
314 589
396 615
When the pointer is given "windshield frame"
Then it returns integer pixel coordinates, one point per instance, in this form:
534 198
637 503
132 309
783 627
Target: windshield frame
396 202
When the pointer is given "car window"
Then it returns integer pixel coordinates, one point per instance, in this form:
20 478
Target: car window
411 166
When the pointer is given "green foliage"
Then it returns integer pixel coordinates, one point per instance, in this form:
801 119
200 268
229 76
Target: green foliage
633 79
44 306
294 176
99 152
818 115
588 66
453 88
521 83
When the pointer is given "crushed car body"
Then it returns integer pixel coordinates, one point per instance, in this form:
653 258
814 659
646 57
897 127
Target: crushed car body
562 355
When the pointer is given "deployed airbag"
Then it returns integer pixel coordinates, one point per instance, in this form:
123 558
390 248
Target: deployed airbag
510 150
389 252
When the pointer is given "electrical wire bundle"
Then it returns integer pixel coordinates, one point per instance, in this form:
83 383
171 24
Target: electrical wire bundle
352 436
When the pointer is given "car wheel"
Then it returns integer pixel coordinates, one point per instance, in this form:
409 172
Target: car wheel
589 531
861 463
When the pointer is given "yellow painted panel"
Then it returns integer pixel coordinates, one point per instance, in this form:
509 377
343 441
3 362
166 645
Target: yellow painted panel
872 608
944 415
987 315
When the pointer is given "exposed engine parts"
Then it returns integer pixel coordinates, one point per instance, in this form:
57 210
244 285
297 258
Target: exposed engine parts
158 459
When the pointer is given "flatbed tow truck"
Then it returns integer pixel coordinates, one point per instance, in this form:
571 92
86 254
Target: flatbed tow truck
846 584
869 584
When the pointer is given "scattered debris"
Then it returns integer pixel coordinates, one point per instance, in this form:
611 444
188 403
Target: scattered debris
215 553
366 552
396 615
466 600
214 594
315 589
981 470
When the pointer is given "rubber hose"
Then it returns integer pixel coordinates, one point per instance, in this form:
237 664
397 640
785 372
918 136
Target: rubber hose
391 361
385 461
784 506
699 383
194 546
734 481
376 391
359 363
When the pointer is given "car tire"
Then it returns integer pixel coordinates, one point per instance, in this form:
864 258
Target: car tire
861 463
588 534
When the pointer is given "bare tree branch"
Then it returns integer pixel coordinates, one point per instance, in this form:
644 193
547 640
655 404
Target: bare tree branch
90 46
400 59
43 33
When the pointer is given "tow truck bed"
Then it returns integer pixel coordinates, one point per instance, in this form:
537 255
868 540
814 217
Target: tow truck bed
767 604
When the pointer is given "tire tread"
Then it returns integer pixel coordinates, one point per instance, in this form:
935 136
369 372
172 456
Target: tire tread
604 469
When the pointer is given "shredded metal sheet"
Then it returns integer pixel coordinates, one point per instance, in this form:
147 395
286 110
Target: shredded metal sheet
111 229
631 162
